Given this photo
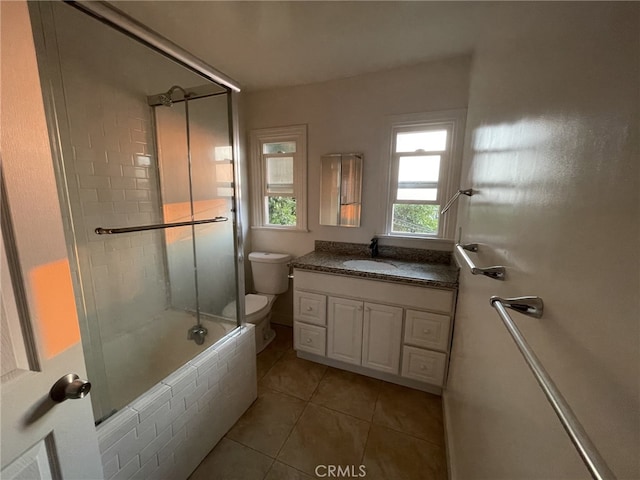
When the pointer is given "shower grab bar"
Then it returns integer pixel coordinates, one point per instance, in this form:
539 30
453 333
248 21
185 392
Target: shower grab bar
533 306
157 226
496 272
468 192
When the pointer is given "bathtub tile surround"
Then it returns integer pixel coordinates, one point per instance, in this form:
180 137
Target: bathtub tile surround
349 420
169 430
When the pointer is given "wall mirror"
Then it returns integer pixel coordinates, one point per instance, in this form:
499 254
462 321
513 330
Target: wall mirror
341 189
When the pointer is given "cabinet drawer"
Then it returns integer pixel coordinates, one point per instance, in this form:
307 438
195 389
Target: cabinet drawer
310 307
309 338
428 330
424 365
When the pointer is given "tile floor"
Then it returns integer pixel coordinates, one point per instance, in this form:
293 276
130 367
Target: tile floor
308 416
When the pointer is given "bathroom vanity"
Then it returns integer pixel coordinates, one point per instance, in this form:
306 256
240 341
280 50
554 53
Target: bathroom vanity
389 317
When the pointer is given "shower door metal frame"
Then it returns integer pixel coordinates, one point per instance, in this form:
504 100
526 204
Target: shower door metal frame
117 19
56 113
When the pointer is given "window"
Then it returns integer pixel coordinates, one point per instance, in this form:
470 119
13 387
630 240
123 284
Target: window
424 170
279 177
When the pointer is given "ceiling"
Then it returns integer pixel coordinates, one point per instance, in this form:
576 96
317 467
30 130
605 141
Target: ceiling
271 44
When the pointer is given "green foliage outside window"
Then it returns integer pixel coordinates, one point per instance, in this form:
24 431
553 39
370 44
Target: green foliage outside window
282 211
411 218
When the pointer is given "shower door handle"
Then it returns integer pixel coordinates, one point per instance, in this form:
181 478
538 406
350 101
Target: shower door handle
157 226
69 387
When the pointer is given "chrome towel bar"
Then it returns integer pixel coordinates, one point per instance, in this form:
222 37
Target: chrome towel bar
533 306
495 272
157 226
468 192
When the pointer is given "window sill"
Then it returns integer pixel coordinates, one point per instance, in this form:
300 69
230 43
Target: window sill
280 229
409 241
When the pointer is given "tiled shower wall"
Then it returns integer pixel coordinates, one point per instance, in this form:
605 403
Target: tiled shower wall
111 172
168 431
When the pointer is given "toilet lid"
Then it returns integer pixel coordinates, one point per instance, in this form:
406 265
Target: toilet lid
252 304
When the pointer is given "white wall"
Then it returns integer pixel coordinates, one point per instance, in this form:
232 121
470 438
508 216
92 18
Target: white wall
348 115
552 148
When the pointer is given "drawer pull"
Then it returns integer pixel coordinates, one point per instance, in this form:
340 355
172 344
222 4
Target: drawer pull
423 367
308 340
309 309
426 331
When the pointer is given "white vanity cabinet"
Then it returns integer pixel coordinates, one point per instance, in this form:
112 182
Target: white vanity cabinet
344 329
397 332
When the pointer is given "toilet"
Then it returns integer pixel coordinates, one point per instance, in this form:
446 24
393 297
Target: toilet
270 278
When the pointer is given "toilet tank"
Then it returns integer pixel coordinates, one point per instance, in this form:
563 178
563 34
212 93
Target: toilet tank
270 272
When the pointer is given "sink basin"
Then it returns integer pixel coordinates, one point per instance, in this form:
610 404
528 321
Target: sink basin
368 265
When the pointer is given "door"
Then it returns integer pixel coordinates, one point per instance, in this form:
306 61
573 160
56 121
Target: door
40 333
382 337
344 330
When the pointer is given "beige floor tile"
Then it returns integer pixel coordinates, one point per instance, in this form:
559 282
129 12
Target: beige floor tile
410 411
348 393
267 359
280 471
284 338
324 437
294 376
231 461
268 422
394 455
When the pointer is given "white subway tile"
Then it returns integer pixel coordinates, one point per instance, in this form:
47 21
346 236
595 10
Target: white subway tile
128 470
97 208
108 169
177 440
205 361
116 427
151 400
181 378
111 195
136 172
123 182
139 136
94 181
111 467
120 158
152 420
155 445
208 396
89 195
136 194
194 396
125 207
147 469
121 446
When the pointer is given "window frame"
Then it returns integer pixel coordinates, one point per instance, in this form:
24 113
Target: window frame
449 170
258 137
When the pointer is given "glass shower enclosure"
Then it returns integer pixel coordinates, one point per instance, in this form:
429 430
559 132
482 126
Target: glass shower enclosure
145 168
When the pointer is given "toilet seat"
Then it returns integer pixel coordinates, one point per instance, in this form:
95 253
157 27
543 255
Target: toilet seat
255 308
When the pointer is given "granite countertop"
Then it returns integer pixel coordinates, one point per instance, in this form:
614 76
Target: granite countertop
412 272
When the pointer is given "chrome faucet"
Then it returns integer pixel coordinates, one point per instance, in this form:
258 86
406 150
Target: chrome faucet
373 246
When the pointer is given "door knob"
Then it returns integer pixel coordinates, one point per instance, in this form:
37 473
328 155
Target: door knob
69 387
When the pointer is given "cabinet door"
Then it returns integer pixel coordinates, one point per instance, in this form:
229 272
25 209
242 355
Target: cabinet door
382 337
344 330
309 307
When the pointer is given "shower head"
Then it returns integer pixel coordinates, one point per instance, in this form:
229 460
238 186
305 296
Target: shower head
165 98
